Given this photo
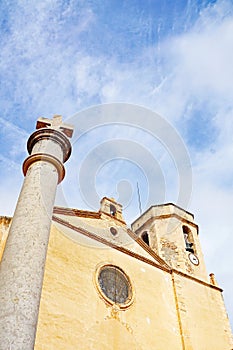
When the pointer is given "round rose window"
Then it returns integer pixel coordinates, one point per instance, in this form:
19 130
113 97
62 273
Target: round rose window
114 285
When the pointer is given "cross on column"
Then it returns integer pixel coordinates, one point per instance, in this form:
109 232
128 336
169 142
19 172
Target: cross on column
55 123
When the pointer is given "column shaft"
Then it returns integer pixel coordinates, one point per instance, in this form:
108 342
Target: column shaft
22 266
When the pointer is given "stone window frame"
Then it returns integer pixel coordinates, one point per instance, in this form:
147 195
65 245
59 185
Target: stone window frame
113 231
103 296
189 240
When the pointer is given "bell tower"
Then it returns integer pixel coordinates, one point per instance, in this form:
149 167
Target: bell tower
22 265
110 208
172 233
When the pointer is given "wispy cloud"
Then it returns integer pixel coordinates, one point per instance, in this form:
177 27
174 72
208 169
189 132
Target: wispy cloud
61 57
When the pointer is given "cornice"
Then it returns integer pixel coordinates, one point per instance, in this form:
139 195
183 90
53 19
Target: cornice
76 212
166 216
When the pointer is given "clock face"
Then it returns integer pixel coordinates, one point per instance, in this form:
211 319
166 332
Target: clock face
114 285
194 259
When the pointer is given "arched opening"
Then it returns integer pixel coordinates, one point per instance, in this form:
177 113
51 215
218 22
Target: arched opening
187 238
112 210
145 237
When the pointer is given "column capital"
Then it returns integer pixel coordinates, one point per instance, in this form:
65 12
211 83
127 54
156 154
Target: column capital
48 133
53 135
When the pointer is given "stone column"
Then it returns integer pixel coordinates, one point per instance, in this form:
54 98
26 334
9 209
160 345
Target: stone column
22 266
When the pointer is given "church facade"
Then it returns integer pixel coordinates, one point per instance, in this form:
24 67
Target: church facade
102 284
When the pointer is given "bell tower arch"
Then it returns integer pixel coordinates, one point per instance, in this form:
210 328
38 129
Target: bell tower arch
173 235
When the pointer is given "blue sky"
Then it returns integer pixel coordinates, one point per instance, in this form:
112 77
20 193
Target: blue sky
172 57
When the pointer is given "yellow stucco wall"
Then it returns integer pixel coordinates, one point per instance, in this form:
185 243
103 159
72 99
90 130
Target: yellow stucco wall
4 229
203 316
74 316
